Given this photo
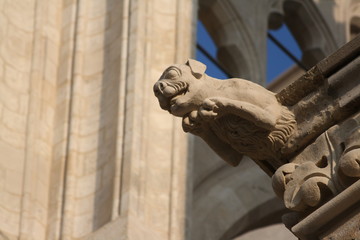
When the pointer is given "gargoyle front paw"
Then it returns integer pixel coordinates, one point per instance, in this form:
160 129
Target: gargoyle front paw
208 109
191 123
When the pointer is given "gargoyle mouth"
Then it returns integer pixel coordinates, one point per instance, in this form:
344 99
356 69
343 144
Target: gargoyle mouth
172 102
168 92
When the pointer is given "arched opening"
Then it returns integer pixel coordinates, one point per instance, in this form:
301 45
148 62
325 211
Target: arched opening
310 30
312 37
236 52
225 61
232 201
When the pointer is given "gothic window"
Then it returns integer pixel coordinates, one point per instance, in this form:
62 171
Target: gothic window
278 61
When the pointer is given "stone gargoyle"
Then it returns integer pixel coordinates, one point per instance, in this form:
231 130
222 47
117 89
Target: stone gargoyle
306 137
235 117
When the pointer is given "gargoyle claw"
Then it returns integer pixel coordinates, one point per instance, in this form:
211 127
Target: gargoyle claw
208 109
191 123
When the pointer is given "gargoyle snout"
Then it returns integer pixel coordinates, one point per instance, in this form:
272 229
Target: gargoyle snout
162 88
159 87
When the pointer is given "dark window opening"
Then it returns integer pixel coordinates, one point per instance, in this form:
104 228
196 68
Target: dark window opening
206 52
278 61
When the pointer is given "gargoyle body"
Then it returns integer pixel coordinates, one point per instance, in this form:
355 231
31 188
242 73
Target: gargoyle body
235 117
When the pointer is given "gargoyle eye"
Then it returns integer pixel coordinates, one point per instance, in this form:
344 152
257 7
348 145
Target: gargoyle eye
172 74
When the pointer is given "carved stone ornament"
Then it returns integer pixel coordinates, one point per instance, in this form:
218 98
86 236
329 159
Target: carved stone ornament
322 170
307 137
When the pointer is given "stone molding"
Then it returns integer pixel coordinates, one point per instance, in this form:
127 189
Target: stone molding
336 220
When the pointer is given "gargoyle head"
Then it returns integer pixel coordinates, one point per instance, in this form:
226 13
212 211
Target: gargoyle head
179 88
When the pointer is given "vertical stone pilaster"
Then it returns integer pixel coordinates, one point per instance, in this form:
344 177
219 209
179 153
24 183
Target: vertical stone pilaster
47 120
153 190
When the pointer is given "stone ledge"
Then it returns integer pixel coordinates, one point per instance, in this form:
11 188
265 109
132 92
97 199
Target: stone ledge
336 220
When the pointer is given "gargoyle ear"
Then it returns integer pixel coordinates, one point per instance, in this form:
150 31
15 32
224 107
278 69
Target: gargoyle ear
197 68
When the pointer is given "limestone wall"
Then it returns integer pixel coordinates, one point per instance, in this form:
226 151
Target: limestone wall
83 142
16 50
